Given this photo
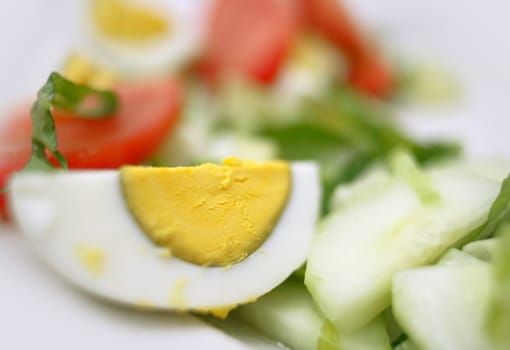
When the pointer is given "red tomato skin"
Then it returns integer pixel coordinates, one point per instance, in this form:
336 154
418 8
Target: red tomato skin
332 20
5 173
147 113
372 77
368 72
249 37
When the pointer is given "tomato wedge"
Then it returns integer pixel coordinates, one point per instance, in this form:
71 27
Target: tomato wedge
147 113
368 72
250 38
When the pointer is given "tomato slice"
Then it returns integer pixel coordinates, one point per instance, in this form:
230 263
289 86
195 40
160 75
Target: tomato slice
250 38
372 76
13 156
368 71
147 113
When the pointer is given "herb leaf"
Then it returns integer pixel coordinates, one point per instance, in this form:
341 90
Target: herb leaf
499 312
498 215
346 134
58 92
499 211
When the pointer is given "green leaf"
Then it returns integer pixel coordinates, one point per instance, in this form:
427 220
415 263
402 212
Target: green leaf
304 140
434 151
58 92
498 225
399 341
499 313
499 213
347 133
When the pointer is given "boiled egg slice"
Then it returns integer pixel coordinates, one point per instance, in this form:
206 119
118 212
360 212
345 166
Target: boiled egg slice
203 238
138 38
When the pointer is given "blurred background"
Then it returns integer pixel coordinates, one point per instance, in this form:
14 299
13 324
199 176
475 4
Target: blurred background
464 37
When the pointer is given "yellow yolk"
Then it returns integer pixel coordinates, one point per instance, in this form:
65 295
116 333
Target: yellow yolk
92 258
212 215
81 70
123 20
223 312
177 296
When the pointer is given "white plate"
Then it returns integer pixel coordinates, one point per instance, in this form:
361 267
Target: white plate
39 310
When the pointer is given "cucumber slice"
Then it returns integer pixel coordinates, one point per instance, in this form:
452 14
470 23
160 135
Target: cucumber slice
359 247
455 257
483 250
286 314
443 307
250 336
491 168
371 337
375 180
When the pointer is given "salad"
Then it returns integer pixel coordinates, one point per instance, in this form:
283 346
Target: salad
337 229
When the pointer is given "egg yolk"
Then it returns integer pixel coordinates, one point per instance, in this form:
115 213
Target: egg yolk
121 19
92 258
210 215
81 70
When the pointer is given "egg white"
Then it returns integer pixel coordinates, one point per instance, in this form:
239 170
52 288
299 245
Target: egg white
167 53
63 211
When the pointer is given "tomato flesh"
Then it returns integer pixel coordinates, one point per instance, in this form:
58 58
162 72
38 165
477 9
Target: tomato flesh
147 113
250 38
367 72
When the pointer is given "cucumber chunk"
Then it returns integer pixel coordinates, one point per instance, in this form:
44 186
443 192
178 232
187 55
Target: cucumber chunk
289 316
286 314
359 247
455 257
371 337
240 330
443 307
483 250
